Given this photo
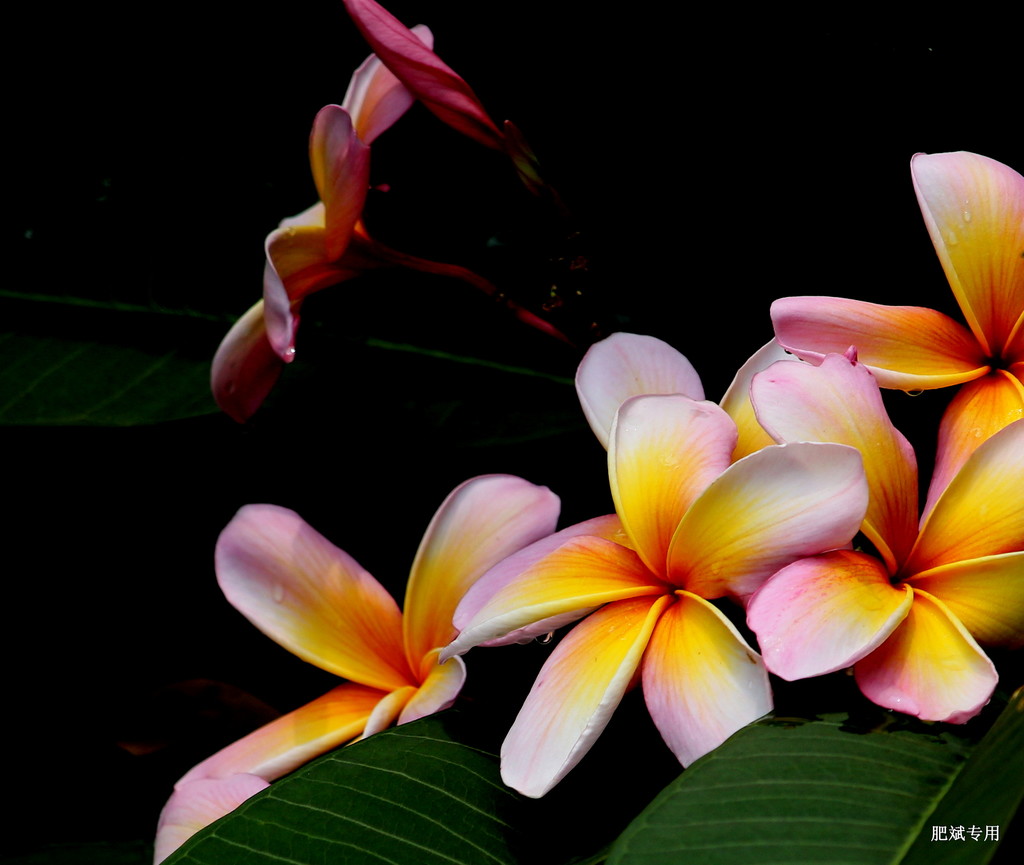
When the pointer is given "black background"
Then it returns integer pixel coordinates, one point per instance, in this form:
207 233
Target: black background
712 164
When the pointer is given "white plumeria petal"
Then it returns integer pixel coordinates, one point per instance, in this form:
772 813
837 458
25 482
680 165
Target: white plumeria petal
625 365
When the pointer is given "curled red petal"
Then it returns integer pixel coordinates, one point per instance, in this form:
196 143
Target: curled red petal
429 78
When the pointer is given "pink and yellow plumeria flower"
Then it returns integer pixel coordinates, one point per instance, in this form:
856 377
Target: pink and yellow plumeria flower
909 621
973 207
690 526
315 600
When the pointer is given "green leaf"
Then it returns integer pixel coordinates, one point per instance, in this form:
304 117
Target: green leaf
799 792
77 362
48 381
987 792
412 794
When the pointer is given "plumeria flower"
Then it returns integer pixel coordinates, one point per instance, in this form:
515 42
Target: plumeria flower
328 243
973 207
909 620
308 252
629 364
690 526
318 602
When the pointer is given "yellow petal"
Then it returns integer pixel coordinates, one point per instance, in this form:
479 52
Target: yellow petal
311 597
979 410
387 711
974 209
906 347
608 527
775 506
578 576
701 681
575 694
664 452
284 744
442 683
986 595
298 255
981 512
930 667
481 522
736 402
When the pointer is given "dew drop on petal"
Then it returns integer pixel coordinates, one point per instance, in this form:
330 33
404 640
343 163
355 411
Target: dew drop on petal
544 639
277 593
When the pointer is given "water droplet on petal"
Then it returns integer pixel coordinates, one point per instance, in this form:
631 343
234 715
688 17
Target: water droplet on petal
277 593
917 392
967 216
951 238
544 639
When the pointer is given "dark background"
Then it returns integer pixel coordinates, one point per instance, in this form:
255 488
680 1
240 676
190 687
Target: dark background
711 165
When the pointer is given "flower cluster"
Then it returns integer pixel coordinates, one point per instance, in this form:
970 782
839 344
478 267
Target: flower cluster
777 532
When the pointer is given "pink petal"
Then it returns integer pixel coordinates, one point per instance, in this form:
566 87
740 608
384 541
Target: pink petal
245 367
771 508
432 81
980 513
281 746
509 569
376 98
822 614
979 410
839 402
664 451
196 805
575 694
974 209
906 347
701 681
625 365
929 667
736 402
580 575
481 522
341 171
297 265
986 595
311 597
